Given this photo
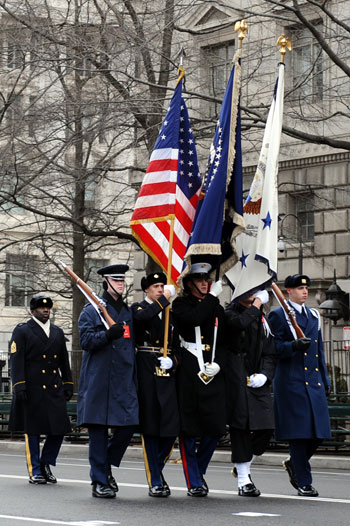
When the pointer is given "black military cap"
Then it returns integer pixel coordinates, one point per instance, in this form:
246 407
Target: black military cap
39 302
151 279
113 271
200 269
297 280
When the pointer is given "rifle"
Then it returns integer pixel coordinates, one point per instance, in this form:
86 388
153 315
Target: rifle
98 303
288 309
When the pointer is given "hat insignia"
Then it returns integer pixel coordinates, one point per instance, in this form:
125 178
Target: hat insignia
156 275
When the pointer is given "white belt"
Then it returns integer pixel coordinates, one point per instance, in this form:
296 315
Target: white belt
196 348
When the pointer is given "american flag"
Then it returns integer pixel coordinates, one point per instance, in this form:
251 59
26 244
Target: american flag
170 189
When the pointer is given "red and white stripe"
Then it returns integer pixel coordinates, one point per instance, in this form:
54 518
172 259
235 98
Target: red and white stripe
161 198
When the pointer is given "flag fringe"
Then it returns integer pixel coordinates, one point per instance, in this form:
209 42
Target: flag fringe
236 90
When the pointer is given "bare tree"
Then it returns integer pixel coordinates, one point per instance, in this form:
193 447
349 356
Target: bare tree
83 90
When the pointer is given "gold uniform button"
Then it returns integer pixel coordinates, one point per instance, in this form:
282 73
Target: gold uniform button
316 355
305 368
44 356
54 371
44 386
55 355
316 369
43 371
202 337
319 384
307 383
55 386
305 353
157 341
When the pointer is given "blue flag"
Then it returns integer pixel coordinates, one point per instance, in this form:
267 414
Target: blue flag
219 215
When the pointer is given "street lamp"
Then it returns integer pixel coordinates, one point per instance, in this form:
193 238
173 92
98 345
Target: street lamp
336 304
281 246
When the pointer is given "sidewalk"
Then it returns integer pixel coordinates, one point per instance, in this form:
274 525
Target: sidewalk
268 459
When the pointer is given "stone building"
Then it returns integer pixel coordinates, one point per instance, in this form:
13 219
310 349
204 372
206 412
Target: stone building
313 176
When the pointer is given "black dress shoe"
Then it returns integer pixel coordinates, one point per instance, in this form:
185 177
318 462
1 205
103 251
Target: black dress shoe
249 490
37 479
102 491
112 483
307 491
197 492
158 491
47 473
288 466
204 484
165 485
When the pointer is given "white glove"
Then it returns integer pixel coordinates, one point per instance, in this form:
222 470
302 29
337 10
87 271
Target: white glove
165 363
216 288
263 296
211 369
257 380
171 289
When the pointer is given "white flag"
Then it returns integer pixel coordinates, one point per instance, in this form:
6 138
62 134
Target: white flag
257 246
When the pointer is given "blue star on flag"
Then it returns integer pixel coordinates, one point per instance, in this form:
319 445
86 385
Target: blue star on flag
243 259
267 220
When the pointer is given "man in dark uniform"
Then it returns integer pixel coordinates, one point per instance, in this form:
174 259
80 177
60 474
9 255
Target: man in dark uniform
159 418
199 322
107 388
300 385
42 382
249 373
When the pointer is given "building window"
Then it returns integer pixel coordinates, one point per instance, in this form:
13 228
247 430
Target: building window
15 55
307 66
305 211
217 62
20 278
14 116
6 205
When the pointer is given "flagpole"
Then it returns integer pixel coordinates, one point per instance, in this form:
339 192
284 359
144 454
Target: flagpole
284 43
171 240
167 310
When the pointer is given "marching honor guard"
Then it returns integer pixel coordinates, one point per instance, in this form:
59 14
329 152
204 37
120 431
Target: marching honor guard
42 383
199 324
249 373
107 395
300 384
159 418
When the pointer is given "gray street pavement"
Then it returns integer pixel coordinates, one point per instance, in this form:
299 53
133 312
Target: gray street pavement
70 502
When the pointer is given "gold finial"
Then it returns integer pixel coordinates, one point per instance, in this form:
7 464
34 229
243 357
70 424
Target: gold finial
242 27
284 43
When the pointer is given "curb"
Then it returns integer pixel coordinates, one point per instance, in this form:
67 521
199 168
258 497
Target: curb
267 459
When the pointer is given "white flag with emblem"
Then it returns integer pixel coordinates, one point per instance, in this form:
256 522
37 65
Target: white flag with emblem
256 268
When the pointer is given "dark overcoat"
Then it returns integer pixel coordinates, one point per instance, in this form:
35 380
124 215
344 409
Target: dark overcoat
107 386
301 379
39 366
202 407
159 415
251 351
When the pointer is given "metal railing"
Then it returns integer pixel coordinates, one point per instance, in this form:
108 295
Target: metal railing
337 356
